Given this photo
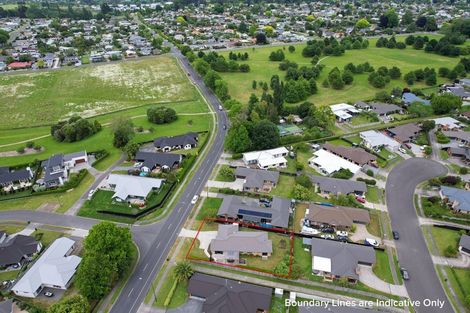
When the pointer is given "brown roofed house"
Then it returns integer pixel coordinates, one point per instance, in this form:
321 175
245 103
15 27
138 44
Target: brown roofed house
404 133
340 217
358 156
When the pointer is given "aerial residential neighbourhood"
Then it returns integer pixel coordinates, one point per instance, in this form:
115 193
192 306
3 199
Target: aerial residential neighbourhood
234 156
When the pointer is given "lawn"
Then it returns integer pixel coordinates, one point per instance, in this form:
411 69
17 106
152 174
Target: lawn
89 91
299 214
281 248
460 281
374 194
9 275
11 228
284 186
362 119
374 227
225 178
46 236
60 201
240 84
382 267
444 237
180 294
303 258
209 208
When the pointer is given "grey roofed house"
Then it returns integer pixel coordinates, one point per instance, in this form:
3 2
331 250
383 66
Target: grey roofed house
14 249
152 160
251 210
231 242
132 187
256 178
454 150
404 133
459 91
54 170
229 296
464 244
338 216
459 199
409 98
186 141
334 309
458 135
22 175
338 186
358 156
379 108
339 258
6 306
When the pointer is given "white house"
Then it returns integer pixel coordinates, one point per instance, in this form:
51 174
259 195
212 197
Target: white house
448 123
343 111
328 163
54 269
266 159
128 188
375 140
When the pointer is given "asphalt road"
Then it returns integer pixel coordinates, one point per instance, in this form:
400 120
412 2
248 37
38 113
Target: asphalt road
413 253
150 263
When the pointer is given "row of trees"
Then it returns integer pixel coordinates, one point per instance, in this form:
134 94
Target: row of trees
428 75
74 129
338 80
389 43
328 46
446 46
218 63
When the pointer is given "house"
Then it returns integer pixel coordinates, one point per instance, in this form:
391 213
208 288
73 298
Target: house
132 188
448 123
338 216
15 250
186 142
54 269
408 98
357 156
156 160
336 186
221 295
404 133
266 159
275 213
334 259
457 199
460 136
464 244
328 163
344 112
22 177
19 65
6 306
56 168
257 180
458 91
230 243
381 109
375 140
457 150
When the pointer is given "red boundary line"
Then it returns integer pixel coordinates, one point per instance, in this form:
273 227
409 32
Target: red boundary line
248 225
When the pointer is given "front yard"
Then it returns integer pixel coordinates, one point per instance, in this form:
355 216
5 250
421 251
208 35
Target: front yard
382 267
445 238
374 194
460 281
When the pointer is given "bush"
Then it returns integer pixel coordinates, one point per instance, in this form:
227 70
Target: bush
20 150
30 144
371 182
304 181
450 251
463 171
370 173
37 147
343 174
74 129
161 115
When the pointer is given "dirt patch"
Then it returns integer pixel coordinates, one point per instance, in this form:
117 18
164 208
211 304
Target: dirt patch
48 207
15 153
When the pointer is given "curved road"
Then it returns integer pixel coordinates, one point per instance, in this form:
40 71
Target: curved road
413 253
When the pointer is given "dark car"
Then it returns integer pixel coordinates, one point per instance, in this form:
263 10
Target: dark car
396 235
404 273
328 230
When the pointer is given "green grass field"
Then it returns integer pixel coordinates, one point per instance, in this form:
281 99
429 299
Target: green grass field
445 237
262 69
42 98
382 267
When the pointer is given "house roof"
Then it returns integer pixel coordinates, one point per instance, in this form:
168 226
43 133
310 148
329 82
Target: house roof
229 296
14 249
448 122
465 242
357 155
267 157
133 186
154 159
230 239
458 91
409 98
180 140
337 216
377 139
54 162
75 155
252 210
19 175
405 132
379 108
331 163
460 196
341 258
52 268
459 135
336 185
255 178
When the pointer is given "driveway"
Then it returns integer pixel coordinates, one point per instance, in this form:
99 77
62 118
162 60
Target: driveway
192 306
413 253
204 237
367 277
236 185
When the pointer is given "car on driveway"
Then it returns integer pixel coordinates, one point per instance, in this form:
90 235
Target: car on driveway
329 230
396 235
327 236
361 200
404 273
342 233
310 231
371 242
48 294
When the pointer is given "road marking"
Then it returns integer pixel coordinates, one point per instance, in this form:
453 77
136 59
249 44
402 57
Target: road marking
130 293
159 244
179 209
145 266
169 226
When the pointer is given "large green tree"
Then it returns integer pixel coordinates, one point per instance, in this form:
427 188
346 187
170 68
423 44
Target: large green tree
123 130
445 103
265 135
73 304
237 139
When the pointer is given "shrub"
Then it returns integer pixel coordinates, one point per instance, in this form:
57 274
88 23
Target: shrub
30 144
463 171
304 181
74 129
450 251
343 174
161 115
20 150
367 181
370 173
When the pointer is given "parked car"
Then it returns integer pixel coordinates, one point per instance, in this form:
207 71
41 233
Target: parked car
361 200
396 235
138 164
371 242
402 150
310 231
91 193
327 236
48 294
342 233
404 273
329 230
194 200
342 238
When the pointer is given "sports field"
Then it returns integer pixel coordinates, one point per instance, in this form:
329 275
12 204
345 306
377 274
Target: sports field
43 98
240 84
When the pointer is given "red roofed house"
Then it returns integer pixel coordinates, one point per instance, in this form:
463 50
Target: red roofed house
19 65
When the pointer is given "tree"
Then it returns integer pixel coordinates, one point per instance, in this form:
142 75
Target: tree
291 49
304 181
161 115
301 193
131 149
362 23
237 139
265 135
183 271
94 277
445 103
73 304
394 73
410 78
123 131
261 39
428 125
253 84
347 77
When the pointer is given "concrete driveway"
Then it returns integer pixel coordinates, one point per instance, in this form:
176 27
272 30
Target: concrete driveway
367 277
204 237
236 185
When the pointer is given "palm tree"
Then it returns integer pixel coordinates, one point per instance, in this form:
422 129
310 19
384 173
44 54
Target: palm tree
183 271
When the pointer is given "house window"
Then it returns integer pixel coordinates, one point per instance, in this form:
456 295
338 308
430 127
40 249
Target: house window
218 252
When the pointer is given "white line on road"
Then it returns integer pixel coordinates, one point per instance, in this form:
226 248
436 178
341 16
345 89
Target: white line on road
145 266
130 292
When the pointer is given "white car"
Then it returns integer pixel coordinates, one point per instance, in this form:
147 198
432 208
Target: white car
138 164
402 150
309 231
327 236
342 233
371 242
91 193
194 200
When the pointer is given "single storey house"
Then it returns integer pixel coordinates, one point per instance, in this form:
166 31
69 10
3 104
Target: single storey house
355 155
448 123
265 159
408 98
230 244
18 178
459 136
186 141
344 112
381 109
328 163
128 188
15 250
157 160
334 186
375 140
464 244
404 133
457 199
256 180
339 217
54 269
